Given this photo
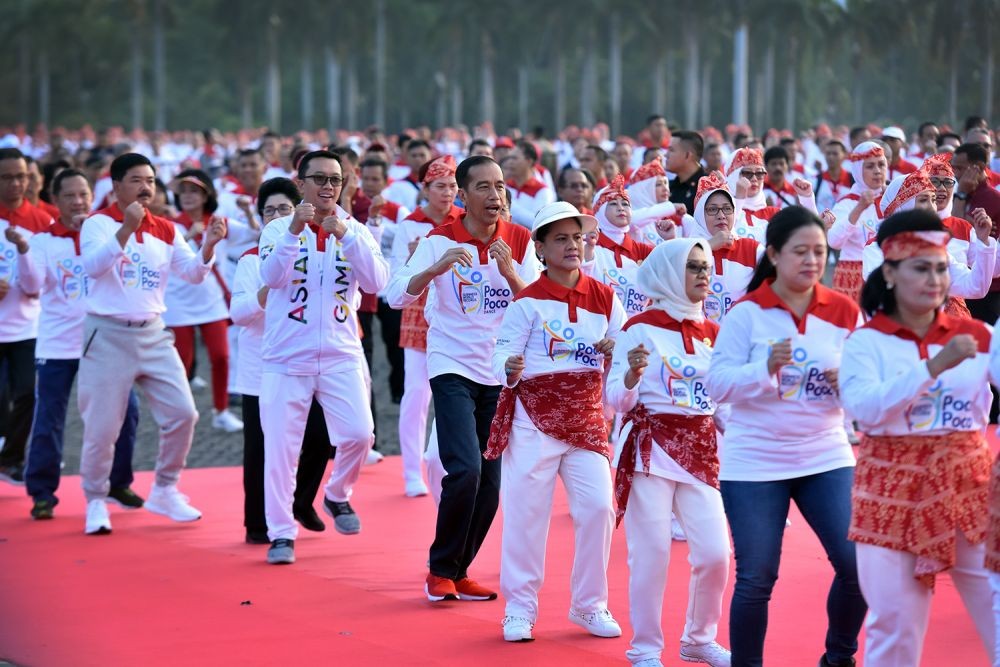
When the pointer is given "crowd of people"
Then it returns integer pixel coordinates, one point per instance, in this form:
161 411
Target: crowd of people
646 319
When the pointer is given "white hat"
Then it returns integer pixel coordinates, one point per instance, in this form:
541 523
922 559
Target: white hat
561 210
894 132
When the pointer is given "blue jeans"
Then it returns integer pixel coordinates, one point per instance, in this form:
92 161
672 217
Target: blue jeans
757 512
52 388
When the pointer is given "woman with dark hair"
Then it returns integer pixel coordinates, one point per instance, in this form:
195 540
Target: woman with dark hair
917 381
775 363
276 198
206 305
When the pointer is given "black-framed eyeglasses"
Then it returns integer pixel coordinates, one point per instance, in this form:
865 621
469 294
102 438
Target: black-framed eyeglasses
947 183
698 269
284 209
320 180
725 209
750 175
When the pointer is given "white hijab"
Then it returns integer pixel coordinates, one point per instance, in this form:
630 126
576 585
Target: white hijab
643 193
701 227
754 203
857 168
663 278
892 193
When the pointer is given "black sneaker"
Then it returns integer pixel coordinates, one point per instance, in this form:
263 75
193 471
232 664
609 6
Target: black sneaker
282 552
345 519
309 519
42 510
257 537
125 498
846 662
12 474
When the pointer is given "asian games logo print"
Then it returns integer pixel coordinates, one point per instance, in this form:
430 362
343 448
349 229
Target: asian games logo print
684 384
72 279
133 272
8 256
719 300
938 408
561 344
475 294
803 379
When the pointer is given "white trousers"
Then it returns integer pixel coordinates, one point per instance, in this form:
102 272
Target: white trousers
233 336
995 585
413 412
698 508
530 465
899 606
284 408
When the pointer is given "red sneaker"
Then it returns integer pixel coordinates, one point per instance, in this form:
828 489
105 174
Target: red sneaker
439 588
470 590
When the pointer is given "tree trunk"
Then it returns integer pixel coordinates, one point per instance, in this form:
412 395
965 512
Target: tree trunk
307 89
441 99
759 100
560 77
691 73
24 78
273 76
352 94
332 89
768 85
740 69
615 73
953 85
246 103
988 68
660 84
589 85
523 101
791 82
380 19
706 93
136 73
669 110
159 69
488 99
44 89
456 103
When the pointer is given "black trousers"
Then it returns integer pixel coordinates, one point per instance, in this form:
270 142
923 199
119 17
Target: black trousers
987 310
18 359
470 491
390 320
316 450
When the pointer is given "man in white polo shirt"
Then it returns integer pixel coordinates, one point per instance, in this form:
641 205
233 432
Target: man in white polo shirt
314 261
129 253
476 265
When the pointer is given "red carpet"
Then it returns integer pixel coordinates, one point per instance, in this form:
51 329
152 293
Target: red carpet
159 593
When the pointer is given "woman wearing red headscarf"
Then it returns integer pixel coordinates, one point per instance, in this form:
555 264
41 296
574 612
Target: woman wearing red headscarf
439 190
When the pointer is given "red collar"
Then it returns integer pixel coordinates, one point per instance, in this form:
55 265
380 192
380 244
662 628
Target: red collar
62 231
786 187
765 297
568 295
634 250
157 227
321 235
420 215
942 329
845 178
462 235
705 331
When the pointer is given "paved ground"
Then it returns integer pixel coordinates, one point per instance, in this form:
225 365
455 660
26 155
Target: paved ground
217 448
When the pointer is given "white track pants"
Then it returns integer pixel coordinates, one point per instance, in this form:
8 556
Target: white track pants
413 412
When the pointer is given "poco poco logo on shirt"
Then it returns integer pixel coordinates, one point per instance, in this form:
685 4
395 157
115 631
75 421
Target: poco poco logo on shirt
561 344
939 408
718 302
7 263
133 272
72 279
685 386
803 379
633 300
474 292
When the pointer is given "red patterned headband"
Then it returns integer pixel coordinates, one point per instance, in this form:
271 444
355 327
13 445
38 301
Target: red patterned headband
912 186
706 184
614 191
442 167
939 165
875 151
910 244
746 157
647 171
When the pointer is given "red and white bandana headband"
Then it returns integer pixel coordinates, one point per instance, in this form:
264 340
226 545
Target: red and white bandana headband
746 157
875 151
910 244
706 184
912 186
442 167
649 170
614 191
939 165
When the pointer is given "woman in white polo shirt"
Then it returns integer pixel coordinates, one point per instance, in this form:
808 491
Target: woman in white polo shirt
550 357
917 381
203 306
657 381
775 363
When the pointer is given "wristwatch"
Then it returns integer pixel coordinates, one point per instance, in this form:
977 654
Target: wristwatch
961 196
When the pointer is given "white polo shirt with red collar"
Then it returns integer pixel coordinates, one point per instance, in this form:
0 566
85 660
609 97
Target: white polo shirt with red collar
527 198
469 304
851 239
65 285
19 310
616 265
734 266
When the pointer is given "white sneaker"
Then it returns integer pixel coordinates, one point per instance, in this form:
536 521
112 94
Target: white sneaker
226 421
170 502
711 653
599 623
517 629
676 531
415 488
648 662
373 457
98 519
198 384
